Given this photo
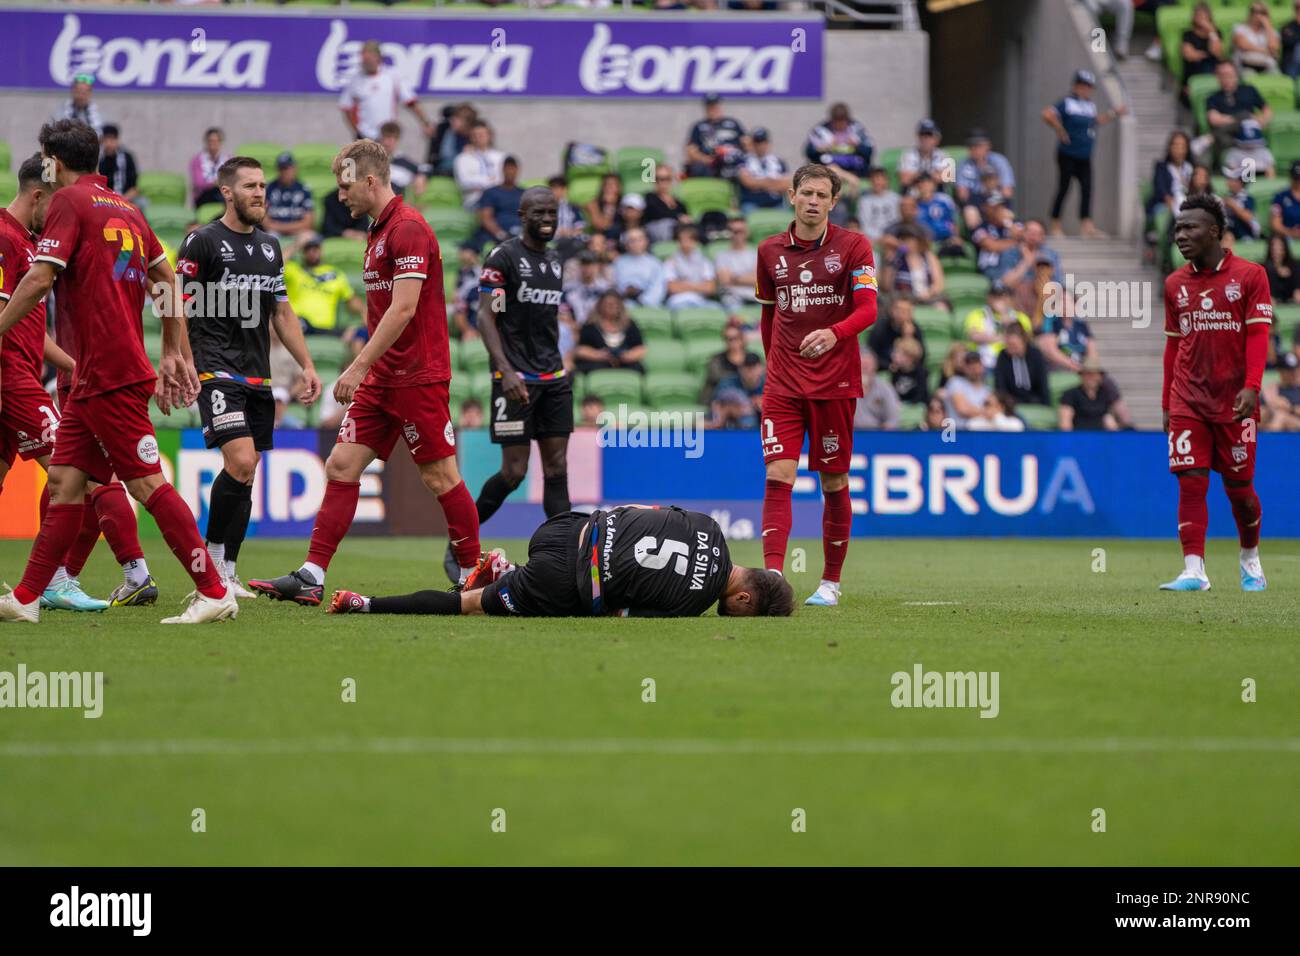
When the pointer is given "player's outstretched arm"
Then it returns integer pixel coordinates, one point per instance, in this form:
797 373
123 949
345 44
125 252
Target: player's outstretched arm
406 296
289 328
31 291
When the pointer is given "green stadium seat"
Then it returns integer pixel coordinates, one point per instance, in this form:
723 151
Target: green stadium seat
583 190
910 415
473 356
480 386
630 163
164 188
749 314
458 390
888 160
1263 191
6 156
931 318
8 189
1171 23
615 386
1039 418
662 250
1253 250
452 225
168 217
591 171
208 212
321 186
704 194
664 355
666 389
1278 89
1061 381
343 253
767 222
654 321
441 191
325 349
1199 89
264 153
635 184
966 286
1286 317
315 159
700 323
699 351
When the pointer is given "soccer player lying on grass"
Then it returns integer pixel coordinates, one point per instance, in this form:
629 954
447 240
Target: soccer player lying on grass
630 561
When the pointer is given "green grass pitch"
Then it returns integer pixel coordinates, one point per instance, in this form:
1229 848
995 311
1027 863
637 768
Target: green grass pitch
1112 696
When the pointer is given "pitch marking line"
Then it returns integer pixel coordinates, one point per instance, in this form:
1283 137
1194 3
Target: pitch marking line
667 747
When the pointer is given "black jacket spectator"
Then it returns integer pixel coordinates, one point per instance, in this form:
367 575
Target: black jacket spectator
1090 411
120 171
337 220
1024 378
885 333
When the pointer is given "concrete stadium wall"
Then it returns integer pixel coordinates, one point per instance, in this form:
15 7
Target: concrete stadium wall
884 76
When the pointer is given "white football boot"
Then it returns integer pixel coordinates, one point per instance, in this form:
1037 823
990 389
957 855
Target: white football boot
203 609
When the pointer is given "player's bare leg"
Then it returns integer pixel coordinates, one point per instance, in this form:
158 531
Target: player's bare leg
442 477
514 468
229 507
1193 518
1246 511
837 524
776 512
343 471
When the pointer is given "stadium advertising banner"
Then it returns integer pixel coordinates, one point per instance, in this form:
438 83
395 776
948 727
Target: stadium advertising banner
1037 484
442 56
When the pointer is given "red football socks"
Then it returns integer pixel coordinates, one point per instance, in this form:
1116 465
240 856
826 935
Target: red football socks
1193 515
84 542
333 520
462 524
1247 512
776 523
837 525
59 529
117 521
180 532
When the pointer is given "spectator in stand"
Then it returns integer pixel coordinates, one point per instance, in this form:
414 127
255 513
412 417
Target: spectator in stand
1021 370
726 365
1250 151
450 137
1019 263
570 230
338 221
939 214
843 144
664 211
716 145
1202 183
1281 399
639 276
204 166
898 323
498 207
316 291
1066 342
997 415
479 165
1172 176
983 326
1036 294
1284 214
581 296
970 191
1202 47
878 409
764 177
908 219
749 378
965 392
372 94
1291 44
631 215
1074 119
464 315
603 211
117 165
907 371
471 414
733 409
878 208
1225 111
1240 207
80 104
1283 277
688 273
611 339
925 158
290 210
914 271
589 412
1123 13
737 266
1088 406
404 172
997 235
936 416
1255 42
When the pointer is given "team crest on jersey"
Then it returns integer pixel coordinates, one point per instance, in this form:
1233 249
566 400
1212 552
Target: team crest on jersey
1233 290
555 267
783 299
269 251
1239 453
1182 299
830 443
411 432
1185 324
379 246
834 263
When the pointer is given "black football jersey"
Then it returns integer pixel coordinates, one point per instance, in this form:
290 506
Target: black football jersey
232 282
653 562
530 290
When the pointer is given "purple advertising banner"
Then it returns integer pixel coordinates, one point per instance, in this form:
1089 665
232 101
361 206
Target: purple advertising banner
196 51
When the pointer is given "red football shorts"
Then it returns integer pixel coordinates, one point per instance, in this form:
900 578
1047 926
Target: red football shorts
1226 447
827 422
109 433
28 418
419 414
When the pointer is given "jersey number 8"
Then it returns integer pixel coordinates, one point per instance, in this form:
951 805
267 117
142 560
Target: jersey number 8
218 402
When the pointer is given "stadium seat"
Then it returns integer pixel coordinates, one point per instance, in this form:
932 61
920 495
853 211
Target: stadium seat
654 321
664 355
958 265
6 156
931 318
168 217
630 162
749 314
1263 191
1285 319
471 356
615 386
1199 89
168 188
1278 89
1039 418
705 194
586 171
910 415
8 189
1171 23
1061 381
315 159
966 286
209 211
441 191
320 186
699 351
667 389
1251 249
343 253
662 250
700 323
480 386
459 389
583 190
264 153
325 348
451 225
888 159
767 222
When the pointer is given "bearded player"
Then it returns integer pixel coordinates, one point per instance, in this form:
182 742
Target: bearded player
105 254
1217 319
817 283
398 385
630 561
233 276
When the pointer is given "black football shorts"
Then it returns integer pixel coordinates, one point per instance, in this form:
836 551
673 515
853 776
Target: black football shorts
548 412
234 410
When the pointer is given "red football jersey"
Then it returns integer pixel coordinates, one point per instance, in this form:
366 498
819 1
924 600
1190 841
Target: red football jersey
402 246
1208 312
814 285
22 350
104 248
